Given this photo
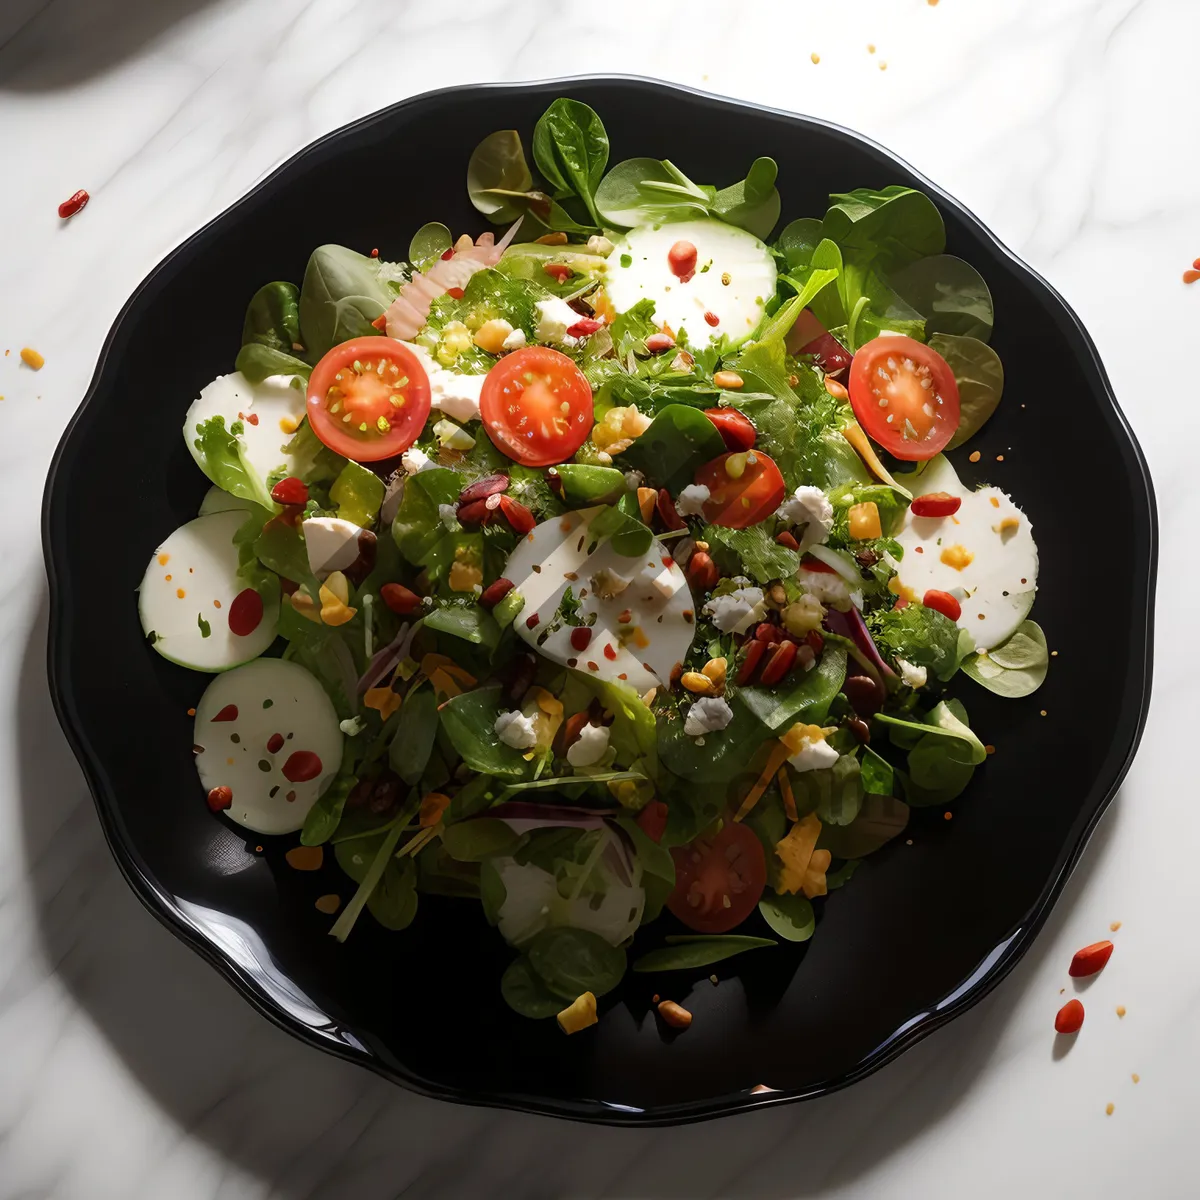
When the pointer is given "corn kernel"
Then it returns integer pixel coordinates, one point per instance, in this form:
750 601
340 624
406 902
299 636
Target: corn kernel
864 521
491 334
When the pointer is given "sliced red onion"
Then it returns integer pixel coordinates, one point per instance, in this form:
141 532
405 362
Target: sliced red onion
387 658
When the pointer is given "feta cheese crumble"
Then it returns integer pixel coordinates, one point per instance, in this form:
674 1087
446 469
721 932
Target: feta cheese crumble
707 715
515 729
589 748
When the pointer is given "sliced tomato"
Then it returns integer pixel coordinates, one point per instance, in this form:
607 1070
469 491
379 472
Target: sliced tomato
368 398
718 880
905 396
743 488
809 337
734 427
652 820
536 405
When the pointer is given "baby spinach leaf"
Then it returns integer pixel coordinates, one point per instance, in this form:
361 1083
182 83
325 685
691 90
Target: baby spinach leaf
895 226
281 548
943 753
343 293
273 317
573 961
870 304
369 879
725 753
496 172
468 721
393 899
221 455
684 952
492 892
324 816
877 778
804 696
417 527
834 793
570 147
1015 668
678 441
629 536
809 282
949 293
798 241
751 551
430 242
480 838
639 190
416 729
467 621
841 877
979 374
753 204
880 819
258 362
525 993
789 915
583 486
358 493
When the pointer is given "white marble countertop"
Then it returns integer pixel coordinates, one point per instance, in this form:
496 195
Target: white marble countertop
129 1068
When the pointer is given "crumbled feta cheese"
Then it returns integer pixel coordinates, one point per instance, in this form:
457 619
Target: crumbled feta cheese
454 394
607 583
912 675
515 729
331 544
736 612
449 515
707 715
826 586
599 244
814 755
810 507
514 341
634 480
414 460
692 500
589 748
554 317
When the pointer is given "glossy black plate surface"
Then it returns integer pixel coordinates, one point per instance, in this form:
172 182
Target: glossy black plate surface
922 932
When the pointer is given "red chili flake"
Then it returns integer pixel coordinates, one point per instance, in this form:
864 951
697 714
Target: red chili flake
584 327
610 652
375 252
1192 275
191 712
77 202
1090 959
454 293
559 272
228 713
380 323
220 798
531 622
448 253
592 666
245 613
712 318
581 637
1069 1018
253 418
667 561
275 743
301 766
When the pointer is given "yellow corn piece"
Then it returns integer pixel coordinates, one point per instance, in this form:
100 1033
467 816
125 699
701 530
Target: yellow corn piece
795 851
814 875
578 1015
864 521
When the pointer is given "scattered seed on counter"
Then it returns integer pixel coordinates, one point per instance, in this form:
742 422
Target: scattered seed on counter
1108 1109
1114 926
328 904
1136 1077
882 65
974 456
1120 1010
816 58
870 47
305 858
32 359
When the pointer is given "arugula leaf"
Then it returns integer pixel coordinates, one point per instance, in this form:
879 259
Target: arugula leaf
1015 668
525 993
879 820
221 455
469 722
570 147
751 551
753 204
358 493
416 730
686 951
949 293
789 915
343 292
573 961
677 442
979 374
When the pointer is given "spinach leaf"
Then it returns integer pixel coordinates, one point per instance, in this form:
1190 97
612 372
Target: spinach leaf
570 147
496 173
440 875
221 455
834 793
753 204
880 819
468 721
798 241
467 621
658 868
393 900
684 951
725 754
789 915
751 551
949 293
895 226
804 697
370 879
634 732
281 548
343 293
979 374
870 304
678 441
809 282
429 243
273 317
257 362
324 816
573 961
416 729
629 536
943 753
358 493
877 778
310 459
920 635
492 892
525 993
480 838
639 190
1015 668
417 527
583 486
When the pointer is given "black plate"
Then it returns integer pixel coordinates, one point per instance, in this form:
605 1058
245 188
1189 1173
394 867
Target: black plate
923 931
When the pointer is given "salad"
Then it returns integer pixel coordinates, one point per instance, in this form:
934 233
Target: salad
607 570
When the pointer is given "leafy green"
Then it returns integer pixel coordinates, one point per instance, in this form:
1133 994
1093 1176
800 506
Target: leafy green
678 441
583 486
343 293
417 527
310 459
870 304
753 204
497 175
369 880
221 455
803 696
658 868
684 952
922 636
358 493
573 961
467 621
799 240
834 793
281 548
789 915
725 753
633 732
880 819
751 551
640 190
416 729
570 148
273 317
324 816
979 374
429 243
258 362
943 753
895 226
877 778
480 838
842 876
949 293
809 282
393 899
629 536
325 654
1015 668
525 993
469 722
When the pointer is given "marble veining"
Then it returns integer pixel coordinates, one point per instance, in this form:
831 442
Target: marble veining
129 1068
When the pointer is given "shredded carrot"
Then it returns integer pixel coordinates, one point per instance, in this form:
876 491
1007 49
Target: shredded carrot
789 801
775 760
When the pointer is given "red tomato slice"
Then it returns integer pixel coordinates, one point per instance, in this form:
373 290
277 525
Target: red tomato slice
743 489
905 396
734 427
718 880
536 405
368 398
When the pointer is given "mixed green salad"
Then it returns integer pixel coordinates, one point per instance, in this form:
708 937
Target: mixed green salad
607 564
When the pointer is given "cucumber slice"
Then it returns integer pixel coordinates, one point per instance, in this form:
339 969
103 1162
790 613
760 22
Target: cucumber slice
218 500
269 733
190 586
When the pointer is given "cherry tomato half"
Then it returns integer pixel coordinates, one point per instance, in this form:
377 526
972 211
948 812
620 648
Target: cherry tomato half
368 398
718 880
734 427
536 406
905 396
743 489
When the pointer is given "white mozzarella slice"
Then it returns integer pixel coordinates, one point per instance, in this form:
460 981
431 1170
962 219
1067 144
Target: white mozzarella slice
270 412
984 554
723 253
641 650
190 586
332 544
269 733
